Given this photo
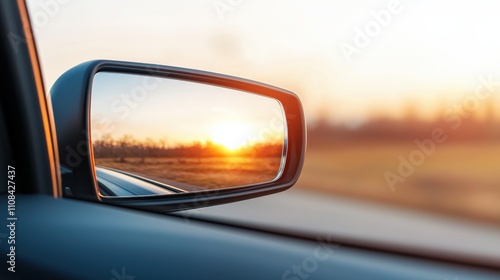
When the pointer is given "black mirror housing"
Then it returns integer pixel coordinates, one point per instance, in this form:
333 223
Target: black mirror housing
71 96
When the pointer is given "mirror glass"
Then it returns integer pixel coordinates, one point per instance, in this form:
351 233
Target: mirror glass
153 135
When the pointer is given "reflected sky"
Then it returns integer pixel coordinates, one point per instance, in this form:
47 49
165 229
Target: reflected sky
180 112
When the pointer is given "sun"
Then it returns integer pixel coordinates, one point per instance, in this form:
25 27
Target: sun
232 135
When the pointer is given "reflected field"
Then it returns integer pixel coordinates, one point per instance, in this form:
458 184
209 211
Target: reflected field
210 173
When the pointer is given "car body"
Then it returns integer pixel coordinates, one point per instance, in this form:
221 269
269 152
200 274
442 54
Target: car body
116 183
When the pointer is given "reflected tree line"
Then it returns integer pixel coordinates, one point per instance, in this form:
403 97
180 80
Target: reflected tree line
129 147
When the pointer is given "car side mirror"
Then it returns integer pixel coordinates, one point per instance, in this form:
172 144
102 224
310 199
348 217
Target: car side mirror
165 138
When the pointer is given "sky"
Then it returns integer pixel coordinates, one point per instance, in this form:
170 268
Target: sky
181 112
346 60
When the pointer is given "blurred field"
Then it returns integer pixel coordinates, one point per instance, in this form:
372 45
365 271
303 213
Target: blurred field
209 173
458 179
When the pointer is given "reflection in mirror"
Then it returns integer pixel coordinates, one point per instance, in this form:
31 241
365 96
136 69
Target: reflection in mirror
154 136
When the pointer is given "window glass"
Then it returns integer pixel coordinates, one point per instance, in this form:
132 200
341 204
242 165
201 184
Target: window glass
401 97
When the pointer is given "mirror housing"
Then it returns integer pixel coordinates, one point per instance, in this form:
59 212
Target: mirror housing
71 100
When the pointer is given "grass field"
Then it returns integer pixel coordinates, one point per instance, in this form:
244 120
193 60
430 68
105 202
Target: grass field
208 173
457 179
